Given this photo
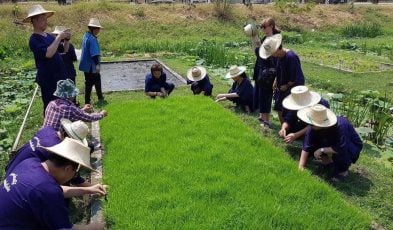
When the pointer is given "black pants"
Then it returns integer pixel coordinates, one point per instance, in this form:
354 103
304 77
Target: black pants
92 79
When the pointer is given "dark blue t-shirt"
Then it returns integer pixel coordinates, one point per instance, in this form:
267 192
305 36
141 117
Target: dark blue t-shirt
32 199
342 137
152 84
68 58
203 84
47 137
289 69
49 70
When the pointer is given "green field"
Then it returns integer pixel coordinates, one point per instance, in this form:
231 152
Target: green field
183 36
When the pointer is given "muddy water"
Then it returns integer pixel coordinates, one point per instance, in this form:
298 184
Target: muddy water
121 76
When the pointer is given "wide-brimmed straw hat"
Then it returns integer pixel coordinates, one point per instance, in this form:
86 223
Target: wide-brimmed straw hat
72 150
235 71
77 129
317 115
66 89
59 29
94 22
270 45
37 10
196 73
300 98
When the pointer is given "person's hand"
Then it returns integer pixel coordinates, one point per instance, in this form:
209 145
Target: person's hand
97 189
282 133
66 34
98 68
318 154
87 108
274 84
104 113
284 88
301 167
164 93
219 96
289 138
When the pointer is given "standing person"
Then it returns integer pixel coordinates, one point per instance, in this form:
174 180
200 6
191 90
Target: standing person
155 83
31 196
199 80
49 64
67 52
241 92
288 68
91 59
264 73
63 107
292 128
331 139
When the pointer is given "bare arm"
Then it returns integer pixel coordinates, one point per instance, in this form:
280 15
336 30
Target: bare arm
97 189
52 49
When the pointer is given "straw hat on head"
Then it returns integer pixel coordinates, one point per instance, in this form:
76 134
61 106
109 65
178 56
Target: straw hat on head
300 98
270 45
235 71
59 29
77 130
317 115
94 23
72 150
196 73
37 10
66 89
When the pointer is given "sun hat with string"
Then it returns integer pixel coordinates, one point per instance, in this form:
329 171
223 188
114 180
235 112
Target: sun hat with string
270 45
72 150
37 10
77 129
235 71
300 98
317 115
196 73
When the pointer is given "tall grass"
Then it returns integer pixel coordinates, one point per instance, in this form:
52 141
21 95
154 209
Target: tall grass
363 29
185 162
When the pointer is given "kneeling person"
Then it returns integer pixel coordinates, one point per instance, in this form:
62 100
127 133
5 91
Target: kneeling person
155 83
199 80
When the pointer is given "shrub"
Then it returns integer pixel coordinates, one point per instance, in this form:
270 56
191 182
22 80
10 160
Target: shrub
364 30
223 9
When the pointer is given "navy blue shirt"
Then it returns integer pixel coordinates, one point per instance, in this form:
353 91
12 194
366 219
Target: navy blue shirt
68 58
49 70
245 91
341 137
47 137
295 124
152 84
203 84
32 199
289 70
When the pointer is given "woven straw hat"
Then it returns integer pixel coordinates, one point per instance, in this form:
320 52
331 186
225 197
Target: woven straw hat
317 115
66 89
300 98
77 129
196 73
235 71
59 29
94 23
270 45
72 150
37 10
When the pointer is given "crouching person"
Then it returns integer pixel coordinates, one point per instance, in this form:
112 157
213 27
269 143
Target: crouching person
31 196
331 139
241 92
199 80
155 83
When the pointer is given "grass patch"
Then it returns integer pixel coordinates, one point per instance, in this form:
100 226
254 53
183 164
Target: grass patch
186 162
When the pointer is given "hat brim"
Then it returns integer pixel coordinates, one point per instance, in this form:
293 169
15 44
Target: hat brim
242 70
56 151
304 115
67 128
95 26
202 76
264 54
48 14
291 104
